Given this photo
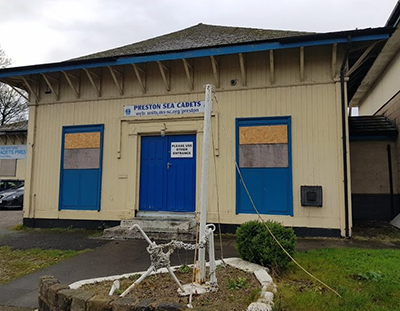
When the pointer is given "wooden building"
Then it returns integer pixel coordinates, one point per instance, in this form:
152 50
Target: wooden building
119 133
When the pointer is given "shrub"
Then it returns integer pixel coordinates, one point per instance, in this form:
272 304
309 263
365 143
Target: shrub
255 244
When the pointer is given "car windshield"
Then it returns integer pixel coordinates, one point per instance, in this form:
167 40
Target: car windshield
17 187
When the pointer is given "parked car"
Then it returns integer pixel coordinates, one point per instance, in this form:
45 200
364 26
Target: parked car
12 198
10 183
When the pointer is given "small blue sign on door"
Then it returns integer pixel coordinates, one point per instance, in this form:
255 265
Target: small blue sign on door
168 173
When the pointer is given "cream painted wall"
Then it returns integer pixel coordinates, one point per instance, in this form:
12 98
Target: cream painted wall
313 104
383 90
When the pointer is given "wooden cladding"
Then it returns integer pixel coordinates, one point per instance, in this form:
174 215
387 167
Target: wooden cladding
272 134
82 140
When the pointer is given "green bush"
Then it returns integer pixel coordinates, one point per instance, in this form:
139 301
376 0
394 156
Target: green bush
255 244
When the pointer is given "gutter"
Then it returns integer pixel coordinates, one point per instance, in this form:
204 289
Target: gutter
344 138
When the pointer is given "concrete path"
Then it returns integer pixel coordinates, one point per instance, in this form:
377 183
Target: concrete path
116 257
305 244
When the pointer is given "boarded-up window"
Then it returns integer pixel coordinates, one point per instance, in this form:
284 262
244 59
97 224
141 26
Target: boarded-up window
264 157
263 146
8 167
82 150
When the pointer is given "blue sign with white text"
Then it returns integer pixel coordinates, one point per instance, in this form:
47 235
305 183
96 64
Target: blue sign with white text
12 152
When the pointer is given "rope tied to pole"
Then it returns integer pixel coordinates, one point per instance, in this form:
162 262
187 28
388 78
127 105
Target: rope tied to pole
258 213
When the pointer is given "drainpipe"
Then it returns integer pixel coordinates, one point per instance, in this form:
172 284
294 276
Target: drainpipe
344 138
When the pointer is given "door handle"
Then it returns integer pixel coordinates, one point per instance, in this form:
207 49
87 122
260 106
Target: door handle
169 165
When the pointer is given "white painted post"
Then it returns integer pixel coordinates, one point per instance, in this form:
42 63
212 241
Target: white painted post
201 263
211 255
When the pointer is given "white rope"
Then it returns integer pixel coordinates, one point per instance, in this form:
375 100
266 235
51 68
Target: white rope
232 153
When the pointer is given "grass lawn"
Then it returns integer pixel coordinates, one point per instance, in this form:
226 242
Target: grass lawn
17 263
367 279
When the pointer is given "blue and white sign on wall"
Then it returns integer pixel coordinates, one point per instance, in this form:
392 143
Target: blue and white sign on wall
12 152
164 109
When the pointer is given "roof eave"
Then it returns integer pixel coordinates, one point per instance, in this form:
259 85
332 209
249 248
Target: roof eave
389 51
284 43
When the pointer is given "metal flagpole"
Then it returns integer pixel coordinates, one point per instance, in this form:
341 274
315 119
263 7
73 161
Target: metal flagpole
201 263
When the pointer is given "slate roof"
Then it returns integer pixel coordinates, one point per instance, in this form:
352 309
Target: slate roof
372 126
20 126
198 36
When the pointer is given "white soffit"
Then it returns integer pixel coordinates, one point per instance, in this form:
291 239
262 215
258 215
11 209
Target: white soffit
388 52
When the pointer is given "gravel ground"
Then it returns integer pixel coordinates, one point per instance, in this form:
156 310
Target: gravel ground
9 219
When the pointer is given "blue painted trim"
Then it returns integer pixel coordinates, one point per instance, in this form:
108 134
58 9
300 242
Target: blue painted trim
281 120
215 51
81 129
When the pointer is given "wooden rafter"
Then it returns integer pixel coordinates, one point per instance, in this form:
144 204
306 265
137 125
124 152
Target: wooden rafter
119 83
361 60
243 68
50 85
19 92
90 77
302 63
141 76
30 88
271 67
334 59
215 69
21 138
11 138
3 139
68 77
164 74
189 73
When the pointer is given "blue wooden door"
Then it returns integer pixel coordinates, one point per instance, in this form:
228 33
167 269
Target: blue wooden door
81 164
168 173
264 157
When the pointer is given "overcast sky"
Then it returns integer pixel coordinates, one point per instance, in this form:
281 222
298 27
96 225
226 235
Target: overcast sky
43 31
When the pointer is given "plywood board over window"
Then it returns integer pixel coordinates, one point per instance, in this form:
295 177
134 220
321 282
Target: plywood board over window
263 146
82 140
8 167
81 158
270 134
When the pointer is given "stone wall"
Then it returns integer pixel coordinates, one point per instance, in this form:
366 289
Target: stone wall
54 296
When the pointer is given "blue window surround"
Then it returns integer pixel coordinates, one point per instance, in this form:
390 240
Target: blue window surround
81 129
283 120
